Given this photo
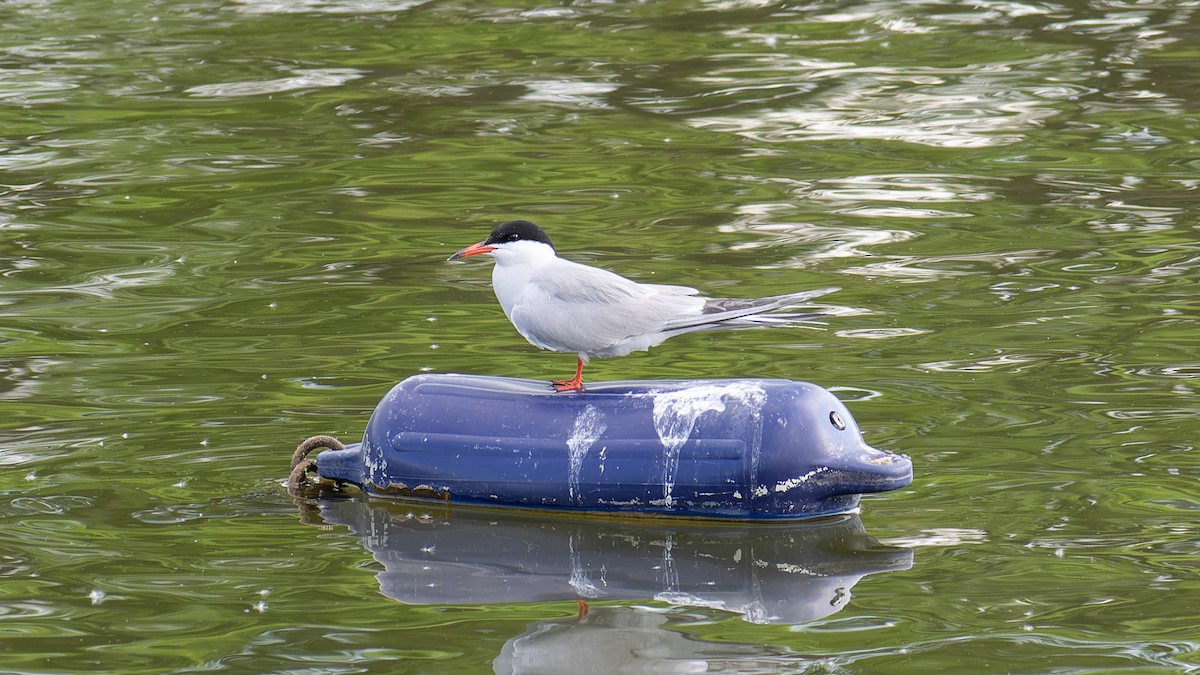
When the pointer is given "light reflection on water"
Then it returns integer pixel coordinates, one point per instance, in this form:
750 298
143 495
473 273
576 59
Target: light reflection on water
222 228
303 79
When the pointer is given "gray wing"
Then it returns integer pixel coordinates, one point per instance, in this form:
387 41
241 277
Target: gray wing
573 307
721 310
575 283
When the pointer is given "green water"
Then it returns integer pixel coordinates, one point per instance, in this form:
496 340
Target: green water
223 228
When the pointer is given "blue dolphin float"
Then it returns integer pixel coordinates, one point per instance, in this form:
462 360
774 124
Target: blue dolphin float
756 449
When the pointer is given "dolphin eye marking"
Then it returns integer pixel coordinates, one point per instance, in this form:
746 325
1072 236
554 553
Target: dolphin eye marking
836 420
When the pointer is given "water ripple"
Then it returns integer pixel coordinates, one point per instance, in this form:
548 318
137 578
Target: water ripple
927 268
326 6
313 78
222 229
977 105
904 188
575 94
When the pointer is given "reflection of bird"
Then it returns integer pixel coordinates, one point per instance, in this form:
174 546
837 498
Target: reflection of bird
620 639
568 307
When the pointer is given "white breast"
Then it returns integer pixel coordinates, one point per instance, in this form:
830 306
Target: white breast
564 306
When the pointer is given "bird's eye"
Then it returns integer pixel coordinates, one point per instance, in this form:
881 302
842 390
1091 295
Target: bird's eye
514 236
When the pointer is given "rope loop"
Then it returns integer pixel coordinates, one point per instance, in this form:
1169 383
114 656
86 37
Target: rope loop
312 443
304 481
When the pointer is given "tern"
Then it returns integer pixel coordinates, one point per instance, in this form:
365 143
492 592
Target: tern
566 306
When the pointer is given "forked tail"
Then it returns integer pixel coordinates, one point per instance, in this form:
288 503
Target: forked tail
735 312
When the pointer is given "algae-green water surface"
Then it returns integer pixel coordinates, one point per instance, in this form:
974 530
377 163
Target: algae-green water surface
224 224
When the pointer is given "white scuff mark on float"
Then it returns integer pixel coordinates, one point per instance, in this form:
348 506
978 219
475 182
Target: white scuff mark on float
785 485
684 599
676 413
620 503
375 462
587 430
798 569
670 575
579 579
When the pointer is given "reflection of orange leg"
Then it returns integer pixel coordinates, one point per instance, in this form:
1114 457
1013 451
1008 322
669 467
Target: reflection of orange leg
583 609
573 384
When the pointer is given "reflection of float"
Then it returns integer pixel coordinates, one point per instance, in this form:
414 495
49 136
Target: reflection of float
745 449
768 573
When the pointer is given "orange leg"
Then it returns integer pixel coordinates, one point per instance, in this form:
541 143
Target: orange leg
573 384
583 610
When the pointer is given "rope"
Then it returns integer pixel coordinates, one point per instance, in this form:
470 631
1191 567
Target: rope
312 443
304 480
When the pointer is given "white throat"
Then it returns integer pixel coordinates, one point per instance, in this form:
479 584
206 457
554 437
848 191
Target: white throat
516 261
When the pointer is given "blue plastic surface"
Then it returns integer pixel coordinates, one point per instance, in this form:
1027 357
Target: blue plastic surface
751 449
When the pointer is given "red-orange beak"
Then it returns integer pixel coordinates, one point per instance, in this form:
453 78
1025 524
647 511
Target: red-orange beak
473 249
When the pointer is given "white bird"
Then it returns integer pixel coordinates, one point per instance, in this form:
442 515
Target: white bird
564 306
